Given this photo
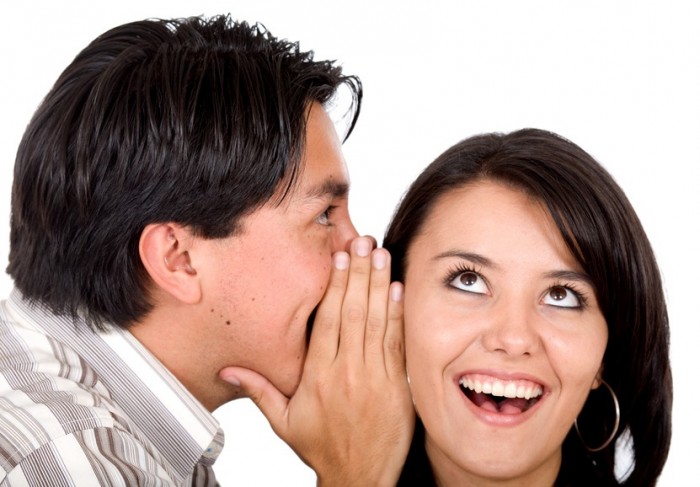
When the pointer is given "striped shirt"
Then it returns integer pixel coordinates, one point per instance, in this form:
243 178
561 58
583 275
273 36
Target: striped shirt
85 408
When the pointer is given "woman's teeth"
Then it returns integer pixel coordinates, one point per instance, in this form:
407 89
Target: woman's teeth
502 388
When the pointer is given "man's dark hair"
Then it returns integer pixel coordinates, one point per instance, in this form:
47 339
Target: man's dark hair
195 121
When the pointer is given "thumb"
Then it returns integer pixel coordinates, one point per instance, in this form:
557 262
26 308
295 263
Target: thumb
271 402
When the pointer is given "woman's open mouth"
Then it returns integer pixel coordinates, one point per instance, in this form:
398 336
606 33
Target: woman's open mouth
500 396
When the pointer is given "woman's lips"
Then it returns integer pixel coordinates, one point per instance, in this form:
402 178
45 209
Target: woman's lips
504 396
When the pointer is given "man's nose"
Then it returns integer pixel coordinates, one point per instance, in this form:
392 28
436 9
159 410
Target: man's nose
345 234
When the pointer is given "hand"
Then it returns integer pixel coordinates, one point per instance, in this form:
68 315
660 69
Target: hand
351 418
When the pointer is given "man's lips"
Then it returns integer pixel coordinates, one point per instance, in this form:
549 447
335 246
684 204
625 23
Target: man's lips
498 395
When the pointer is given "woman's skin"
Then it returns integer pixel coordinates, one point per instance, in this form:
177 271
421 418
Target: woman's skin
495 300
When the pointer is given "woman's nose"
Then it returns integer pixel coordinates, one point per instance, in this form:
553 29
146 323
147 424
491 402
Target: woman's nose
512 330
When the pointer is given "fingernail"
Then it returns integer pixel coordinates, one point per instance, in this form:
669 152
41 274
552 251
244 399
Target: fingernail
396 291
363 247
341 261
233 380
379 259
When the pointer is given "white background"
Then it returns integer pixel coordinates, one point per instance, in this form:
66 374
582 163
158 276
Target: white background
621 79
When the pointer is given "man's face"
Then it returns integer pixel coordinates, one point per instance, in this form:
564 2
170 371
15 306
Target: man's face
262 284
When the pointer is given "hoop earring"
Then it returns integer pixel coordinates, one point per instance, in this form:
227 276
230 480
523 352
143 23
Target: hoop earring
615 427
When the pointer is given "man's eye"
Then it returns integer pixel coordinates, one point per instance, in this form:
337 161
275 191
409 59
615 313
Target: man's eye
325 217
562 297
469 281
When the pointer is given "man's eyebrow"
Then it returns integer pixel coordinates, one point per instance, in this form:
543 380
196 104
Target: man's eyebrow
333 188
470 256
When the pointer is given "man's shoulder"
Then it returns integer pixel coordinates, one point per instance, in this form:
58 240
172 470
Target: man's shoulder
66 388
42 405
58 421
100 456
49 395
39 369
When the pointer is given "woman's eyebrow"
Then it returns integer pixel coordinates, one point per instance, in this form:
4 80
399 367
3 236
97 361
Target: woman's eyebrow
470 256
569 275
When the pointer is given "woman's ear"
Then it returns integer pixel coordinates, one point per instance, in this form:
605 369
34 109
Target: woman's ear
598 378
164 251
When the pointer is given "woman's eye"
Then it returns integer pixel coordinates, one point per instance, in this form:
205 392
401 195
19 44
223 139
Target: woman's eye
563 297
470 281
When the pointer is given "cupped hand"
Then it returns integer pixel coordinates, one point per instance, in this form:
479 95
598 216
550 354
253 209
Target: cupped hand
351 418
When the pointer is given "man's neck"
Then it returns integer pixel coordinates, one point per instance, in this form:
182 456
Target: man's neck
177 336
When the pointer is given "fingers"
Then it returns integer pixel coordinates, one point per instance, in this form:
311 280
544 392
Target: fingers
357 317
271 402
376 327
323 345
372 240
394 351
351 418
355 305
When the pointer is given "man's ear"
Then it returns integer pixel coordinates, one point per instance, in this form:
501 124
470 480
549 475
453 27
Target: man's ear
164 250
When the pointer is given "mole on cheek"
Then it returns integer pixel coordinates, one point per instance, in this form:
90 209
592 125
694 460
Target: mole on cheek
228 322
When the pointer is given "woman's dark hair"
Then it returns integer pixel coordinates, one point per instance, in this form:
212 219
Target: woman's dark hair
605 236
195 121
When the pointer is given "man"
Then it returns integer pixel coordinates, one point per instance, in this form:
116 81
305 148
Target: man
179 211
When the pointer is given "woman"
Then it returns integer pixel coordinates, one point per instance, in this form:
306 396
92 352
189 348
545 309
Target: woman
536 327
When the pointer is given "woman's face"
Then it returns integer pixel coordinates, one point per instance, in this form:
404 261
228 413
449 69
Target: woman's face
504 336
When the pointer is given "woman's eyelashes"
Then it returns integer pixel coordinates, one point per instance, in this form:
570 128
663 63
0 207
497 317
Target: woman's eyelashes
559 295
564 296
467 279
